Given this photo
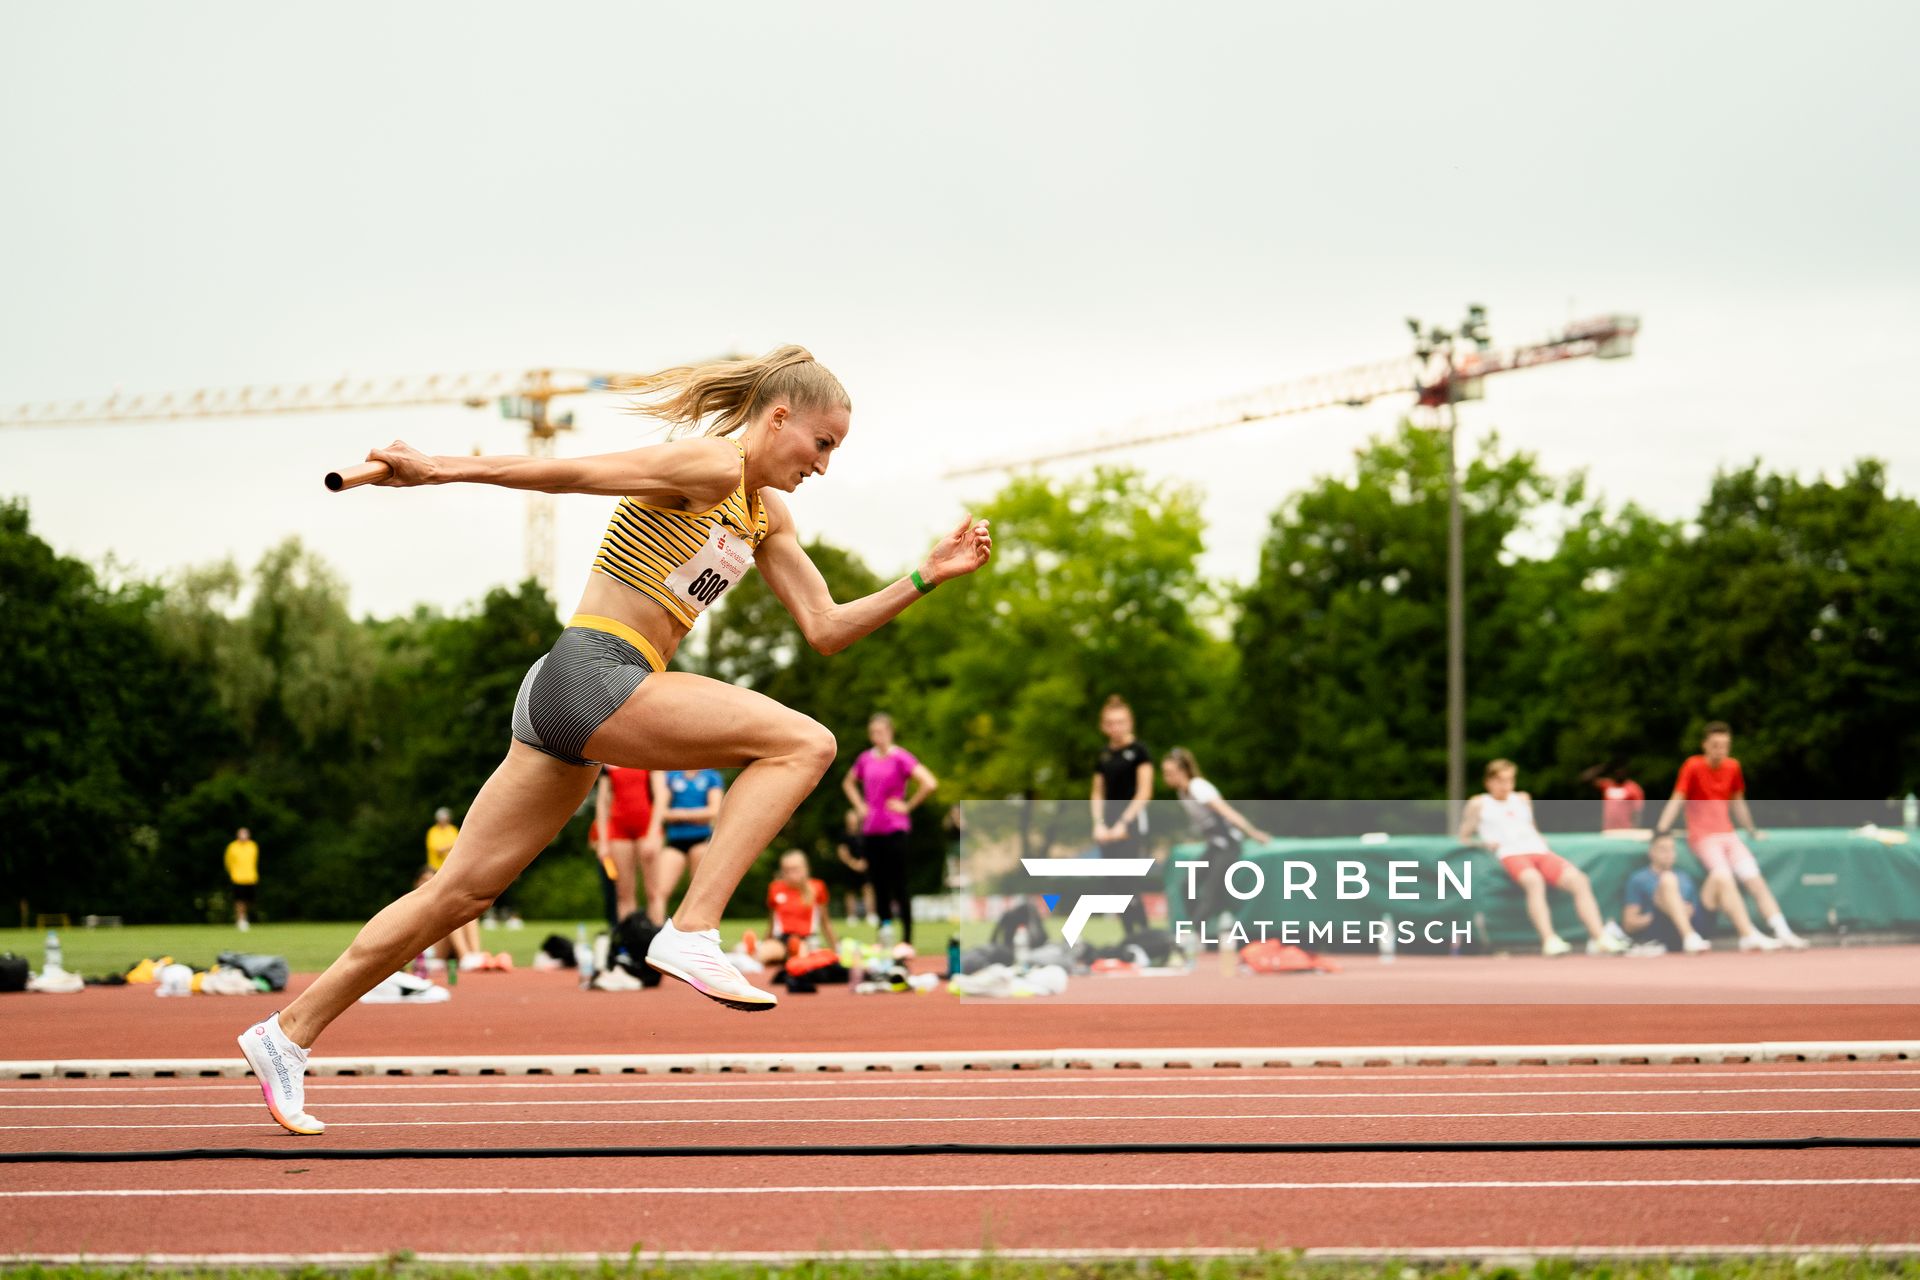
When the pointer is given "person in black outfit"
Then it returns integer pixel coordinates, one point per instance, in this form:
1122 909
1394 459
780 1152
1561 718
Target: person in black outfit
1122 785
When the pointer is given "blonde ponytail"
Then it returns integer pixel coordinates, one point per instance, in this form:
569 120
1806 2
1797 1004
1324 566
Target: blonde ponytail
729 394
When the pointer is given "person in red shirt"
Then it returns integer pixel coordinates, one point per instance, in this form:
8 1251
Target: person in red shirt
797 905
622 821
1714 790
1621 798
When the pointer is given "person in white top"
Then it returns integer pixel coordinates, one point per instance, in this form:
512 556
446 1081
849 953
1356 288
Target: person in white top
1501 820
1219 824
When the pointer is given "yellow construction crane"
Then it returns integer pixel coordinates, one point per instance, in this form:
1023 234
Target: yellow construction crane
1437 374
526 397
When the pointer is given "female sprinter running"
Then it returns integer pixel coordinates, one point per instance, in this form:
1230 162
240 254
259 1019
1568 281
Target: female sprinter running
695 514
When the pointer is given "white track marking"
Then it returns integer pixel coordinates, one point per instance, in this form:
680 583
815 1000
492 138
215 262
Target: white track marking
1126 1057
971 1188
1509 1254
782 1121
522 1104
968 1079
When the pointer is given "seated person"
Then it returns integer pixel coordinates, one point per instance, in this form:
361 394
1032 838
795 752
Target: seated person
797 904
1714 791
1663 903
1501 820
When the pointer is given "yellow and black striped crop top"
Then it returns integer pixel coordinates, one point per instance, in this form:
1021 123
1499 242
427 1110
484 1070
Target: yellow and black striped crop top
684 560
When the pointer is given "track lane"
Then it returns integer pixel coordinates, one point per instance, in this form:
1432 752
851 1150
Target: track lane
965 1202
968 1202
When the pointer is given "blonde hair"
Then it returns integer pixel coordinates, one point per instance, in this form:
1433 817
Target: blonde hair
731 393
1115 702
1500 766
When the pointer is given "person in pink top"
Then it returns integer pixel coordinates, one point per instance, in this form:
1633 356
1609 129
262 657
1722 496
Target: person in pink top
877 788
1714 790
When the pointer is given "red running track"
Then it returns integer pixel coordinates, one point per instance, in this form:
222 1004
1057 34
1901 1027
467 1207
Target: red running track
1827 994
1087 1204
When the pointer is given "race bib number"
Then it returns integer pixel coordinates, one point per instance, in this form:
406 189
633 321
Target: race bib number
712 569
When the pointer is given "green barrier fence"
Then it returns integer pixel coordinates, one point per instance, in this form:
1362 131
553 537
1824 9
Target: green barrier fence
1828 880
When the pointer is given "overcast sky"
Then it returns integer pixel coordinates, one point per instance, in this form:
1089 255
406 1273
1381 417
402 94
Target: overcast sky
1002 225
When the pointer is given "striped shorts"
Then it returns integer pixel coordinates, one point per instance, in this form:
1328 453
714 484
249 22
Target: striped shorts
572 690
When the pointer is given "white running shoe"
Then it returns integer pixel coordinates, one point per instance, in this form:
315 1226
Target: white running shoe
281 1066
1758 942
1608 945
1555 946
696 959
1696 945
1789 940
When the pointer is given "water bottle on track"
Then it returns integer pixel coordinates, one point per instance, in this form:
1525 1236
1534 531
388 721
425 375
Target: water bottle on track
583 956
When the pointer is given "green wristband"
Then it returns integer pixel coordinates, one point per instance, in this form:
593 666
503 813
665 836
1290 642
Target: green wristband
920 584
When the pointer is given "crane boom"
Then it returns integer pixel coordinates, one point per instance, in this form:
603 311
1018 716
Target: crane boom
524 396
472 389
1435 379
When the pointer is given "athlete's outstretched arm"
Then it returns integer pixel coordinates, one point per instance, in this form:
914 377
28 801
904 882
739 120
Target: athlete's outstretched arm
703 470
1233 815
831 627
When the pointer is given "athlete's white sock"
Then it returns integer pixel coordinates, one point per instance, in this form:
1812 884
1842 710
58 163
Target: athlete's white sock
1778 923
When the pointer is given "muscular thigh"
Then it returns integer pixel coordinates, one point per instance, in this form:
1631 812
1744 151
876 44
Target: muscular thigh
517 814
677 720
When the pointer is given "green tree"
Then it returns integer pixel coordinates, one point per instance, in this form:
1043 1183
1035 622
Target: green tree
1342 635
1095 589
442 694
1789 609
103 729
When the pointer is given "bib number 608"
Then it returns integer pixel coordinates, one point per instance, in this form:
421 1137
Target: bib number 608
707 587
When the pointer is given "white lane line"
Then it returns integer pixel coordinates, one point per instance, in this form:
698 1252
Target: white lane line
1057 1058
969 1079
1567 1184
1508 1254
783 1121
523 1104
